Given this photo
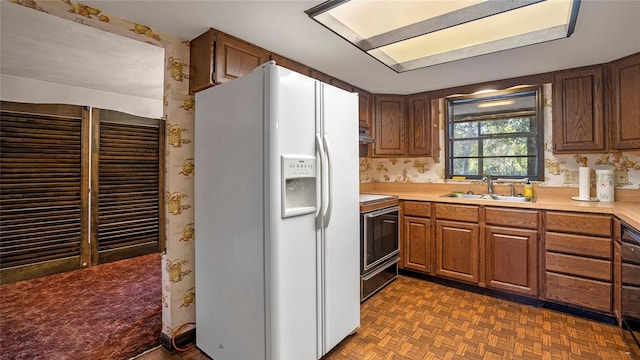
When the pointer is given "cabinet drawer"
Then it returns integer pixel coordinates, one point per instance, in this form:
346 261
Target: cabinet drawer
631 274
417 208
631 253
527 219
579 245
581 223
468 213
580 266
590 294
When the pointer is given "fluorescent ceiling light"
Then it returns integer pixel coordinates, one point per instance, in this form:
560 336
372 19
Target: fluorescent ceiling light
411 34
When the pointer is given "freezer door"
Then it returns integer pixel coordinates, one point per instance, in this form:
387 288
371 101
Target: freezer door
341 240
291 290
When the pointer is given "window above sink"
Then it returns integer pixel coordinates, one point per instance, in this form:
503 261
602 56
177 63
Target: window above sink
498 133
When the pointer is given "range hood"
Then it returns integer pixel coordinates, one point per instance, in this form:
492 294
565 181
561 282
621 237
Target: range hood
365 138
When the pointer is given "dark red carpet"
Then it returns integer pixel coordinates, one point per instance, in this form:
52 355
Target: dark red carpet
109 311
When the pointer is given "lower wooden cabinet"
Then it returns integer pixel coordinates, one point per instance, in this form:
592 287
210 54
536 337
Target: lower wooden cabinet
417 244
579 260
578 263
457 250
512 260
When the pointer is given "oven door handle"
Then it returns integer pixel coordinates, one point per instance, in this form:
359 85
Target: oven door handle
381 212
380 269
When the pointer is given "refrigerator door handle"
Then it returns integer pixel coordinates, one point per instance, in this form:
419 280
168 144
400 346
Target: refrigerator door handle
323 161
327 213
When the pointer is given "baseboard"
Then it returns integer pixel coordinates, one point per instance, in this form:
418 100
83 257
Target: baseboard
182 341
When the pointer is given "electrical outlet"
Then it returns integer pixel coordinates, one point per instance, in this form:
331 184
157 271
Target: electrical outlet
570 177
621 177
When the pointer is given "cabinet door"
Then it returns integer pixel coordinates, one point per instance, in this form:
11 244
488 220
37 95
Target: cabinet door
417 244
420 132
512 259
625 103
364 108
235 58
389 125
578 110
457 250
291 65
201 62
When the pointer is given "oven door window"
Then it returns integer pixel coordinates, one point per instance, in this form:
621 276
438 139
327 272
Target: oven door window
381 238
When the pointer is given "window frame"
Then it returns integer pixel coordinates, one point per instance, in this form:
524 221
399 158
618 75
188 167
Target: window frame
496 95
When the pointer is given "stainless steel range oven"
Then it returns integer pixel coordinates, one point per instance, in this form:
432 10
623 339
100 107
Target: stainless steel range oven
379 235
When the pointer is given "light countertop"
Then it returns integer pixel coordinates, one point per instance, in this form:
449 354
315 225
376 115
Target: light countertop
627 210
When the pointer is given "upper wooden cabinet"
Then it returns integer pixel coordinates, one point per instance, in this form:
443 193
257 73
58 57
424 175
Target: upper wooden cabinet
578 110
389 125
235 57
422 139
201 63
624 97
291 65
216 57
364 108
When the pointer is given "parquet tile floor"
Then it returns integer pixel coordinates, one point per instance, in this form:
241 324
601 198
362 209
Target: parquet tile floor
417 319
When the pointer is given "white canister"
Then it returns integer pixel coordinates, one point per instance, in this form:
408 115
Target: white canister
605 185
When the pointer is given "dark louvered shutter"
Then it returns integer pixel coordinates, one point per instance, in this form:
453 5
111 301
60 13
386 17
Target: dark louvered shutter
127 185
43 189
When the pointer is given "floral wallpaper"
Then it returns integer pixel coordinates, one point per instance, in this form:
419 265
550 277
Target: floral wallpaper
178 292
560 170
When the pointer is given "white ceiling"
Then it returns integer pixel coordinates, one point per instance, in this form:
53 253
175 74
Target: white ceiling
39 46
605 30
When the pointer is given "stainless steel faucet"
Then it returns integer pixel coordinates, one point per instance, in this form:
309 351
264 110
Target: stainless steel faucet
489 181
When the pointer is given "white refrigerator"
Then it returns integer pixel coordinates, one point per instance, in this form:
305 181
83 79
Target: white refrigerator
276 217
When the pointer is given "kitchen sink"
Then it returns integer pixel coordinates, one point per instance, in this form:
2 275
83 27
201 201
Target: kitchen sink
490 197
513 198
464 196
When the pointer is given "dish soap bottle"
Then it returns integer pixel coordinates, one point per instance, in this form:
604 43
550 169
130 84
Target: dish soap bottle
528 189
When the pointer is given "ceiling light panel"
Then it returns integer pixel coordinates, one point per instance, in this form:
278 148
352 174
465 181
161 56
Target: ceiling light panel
406 35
